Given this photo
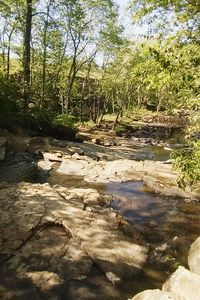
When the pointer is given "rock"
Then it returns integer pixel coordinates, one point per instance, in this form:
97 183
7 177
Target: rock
45 165
155 295
158 176
60 241
2 153
168 148
162 248
96 141
194 257
73 167
73 150
169 161
52 157
77 156
114 253
107 144
83 136
3 141
44 279
37 144
57 143
184 284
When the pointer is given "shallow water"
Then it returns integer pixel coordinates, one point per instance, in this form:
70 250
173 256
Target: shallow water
168 224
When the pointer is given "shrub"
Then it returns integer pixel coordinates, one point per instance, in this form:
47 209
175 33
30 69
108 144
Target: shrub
65 120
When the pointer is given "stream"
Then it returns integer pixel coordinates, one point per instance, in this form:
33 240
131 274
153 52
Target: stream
168 224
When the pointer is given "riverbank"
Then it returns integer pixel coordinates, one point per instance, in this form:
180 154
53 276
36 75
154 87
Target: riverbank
57 234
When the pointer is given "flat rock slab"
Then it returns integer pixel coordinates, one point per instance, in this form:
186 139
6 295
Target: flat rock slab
63 241
157 175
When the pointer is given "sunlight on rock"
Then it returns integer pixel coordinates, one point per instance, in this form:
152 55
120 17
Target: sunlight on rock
44 279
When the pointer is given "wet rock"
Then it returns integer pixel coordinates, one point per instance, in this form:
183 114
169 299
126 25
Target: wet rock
194 257
184 284
155 295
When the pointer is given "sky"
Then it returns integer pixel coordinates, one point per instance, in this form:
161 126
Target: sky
131 30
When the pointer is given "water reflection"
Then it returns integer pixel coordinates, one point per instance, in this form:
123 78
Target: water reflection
168 224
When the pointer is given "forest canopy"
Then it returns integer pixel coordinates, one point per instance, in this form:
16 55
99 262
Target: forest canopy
62 61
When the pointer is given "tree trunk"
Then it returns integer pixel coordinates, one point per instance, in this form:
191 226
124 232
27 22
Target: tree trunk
116 120
46 24
27 54
71 78
2 41
8 54
159 104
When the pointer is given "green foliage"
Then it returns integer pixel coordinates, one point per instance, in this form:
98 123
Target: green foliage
120 129
162 16
187 161
161 75
9 95
66 120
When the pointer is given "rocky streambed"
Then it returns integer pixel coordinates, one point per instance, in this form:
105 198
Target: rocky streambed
64 232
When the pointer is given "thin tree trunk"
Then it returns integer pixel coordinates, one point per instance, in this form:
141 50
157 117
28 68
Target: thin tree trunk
116 120
3 48
8 54
46 24
60 66
159 104
100 118
71 78
27 54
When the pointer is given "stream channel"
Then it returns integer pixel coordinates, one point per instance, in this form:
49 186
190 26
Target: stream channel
168 224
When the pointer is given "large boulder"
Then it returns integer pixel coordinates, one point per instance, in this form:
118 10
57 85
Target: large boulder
184 284
155 295
194 257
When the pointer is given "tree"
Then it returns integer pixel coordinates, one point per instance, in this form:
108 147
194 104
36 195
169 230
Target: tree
27 53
